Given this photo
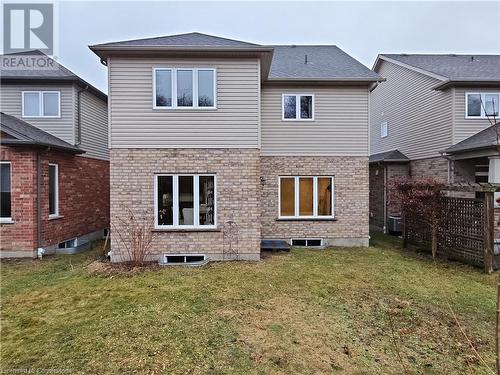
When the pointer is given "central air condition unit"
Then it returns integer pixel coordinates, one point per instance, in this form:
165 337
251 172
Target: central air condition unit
394 225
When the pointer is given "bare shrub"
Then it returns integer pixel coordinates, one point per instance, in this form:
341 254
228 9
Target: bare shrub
135 234
422 197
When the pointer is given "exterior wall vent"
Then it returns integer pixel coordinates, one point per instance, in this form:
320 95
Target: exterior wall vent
183 260
307 242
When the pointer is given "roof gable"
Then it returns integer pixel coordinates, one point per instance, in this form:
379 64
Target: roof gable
451 69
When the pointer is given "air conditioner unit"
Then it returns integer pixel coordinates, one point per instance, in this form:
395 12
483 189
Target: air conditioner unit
394 225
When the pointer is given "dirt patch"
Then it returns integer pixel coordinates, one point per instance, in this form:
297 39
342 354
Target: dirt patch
108 269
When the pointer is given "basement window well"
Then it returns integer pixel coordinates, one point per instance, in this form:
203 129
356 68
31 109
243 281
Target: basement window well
307 242
183 259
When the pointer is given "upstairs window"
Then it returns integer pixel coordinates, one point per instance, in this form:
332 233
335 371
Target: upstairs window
384 129
41 104
5 187
306 197
298 107
482 105
184 88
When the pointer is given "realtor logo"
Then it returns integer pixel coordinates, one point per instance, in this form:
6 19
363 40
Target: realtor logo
27 27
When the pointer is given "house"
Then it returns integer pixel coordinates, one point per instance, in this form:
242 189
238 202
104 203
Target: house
54 159
426 120
224 143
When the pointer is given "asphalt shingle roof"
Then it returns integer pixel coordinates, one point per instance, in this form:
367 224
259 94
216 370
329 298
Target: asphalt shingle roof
326 62
56 72
22 133
394 156
183 40
316 62
484 139
454 67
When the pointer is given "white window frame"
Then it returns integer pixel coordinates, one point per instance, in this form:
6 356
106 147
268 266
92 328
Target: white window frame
297 107
196 198
384 129
40 104
8 219
315 215
56 213
483 104
174 89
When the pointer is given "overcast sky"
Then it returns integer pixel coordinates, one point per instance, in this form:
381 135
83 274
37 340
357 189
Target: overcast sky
362 29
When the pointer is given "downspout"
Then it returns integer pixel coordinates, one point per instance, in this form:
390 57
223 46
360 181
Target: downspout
78 140
40 250
384 229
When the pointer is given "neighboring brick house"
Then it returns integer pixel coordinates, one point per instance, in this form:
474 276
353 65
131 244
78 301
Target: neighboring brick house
54 161
426 105
208 133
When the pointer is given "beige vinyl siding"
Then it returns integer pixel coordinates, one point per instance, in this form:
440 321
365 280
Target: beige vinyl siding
340 125
419 118
94 126
63 127
464 127
135 124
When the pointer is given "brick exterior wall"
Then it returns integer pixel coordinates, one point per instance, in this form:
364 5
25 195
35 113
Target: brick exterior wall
350 199
21 236
431 167
237 197
377 200
83 200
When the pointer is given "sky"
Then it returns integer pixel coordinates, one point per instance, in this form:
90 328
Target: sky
362 29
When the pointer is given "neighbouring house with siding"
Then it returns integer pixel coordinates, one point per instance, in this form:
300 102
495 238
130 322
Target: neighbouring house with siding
424 122
54 158
226 143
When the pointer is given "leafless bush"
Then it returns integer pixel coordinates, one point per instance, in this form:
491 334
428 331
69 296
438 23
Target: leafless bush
422 197
135 233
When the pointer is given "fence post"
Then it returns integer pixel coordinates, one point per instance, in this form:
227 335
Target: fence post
488 231
403 229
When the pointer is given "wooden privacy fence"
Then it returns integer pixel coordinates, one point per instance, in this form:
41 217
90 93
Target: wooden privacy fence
465 232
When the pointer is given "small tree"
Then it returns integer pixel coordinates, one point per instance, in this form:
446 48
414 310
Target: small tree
422 198
135 233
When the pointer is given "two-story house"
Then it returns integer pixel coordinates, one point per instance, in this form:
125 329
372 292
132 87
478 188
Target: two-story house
432 117
211 136
54 158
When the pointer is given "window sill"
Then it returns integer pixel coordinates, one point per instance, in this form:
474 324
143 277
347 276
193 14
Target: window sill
307 219
177 230
6 221
55 217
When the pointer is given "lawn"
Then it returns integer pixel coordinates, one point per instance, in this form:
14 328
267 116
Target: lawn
307 312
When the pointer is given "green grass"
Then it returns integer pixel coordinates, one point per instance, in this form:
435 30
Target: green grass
306 312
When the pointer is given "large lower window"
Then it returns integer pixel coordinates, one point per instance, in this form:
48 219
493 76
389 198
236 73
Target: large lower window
41 103
5 188
298 107
306 197
53 190
185 201
482 105
184 88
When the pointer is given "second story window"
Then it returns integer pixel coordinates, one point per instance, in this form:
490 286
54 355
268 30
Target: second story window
41 104
384 129
298 107
481 105
184 88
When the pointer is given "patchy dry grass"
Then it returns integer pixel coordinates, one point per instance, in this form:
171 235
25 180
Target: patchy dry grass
303 313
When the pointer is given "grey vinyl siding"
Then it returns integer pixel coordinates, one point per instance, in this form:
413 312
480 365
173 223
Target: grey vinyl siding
135 124
464 127
63 127
340 126
94 126
419 118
